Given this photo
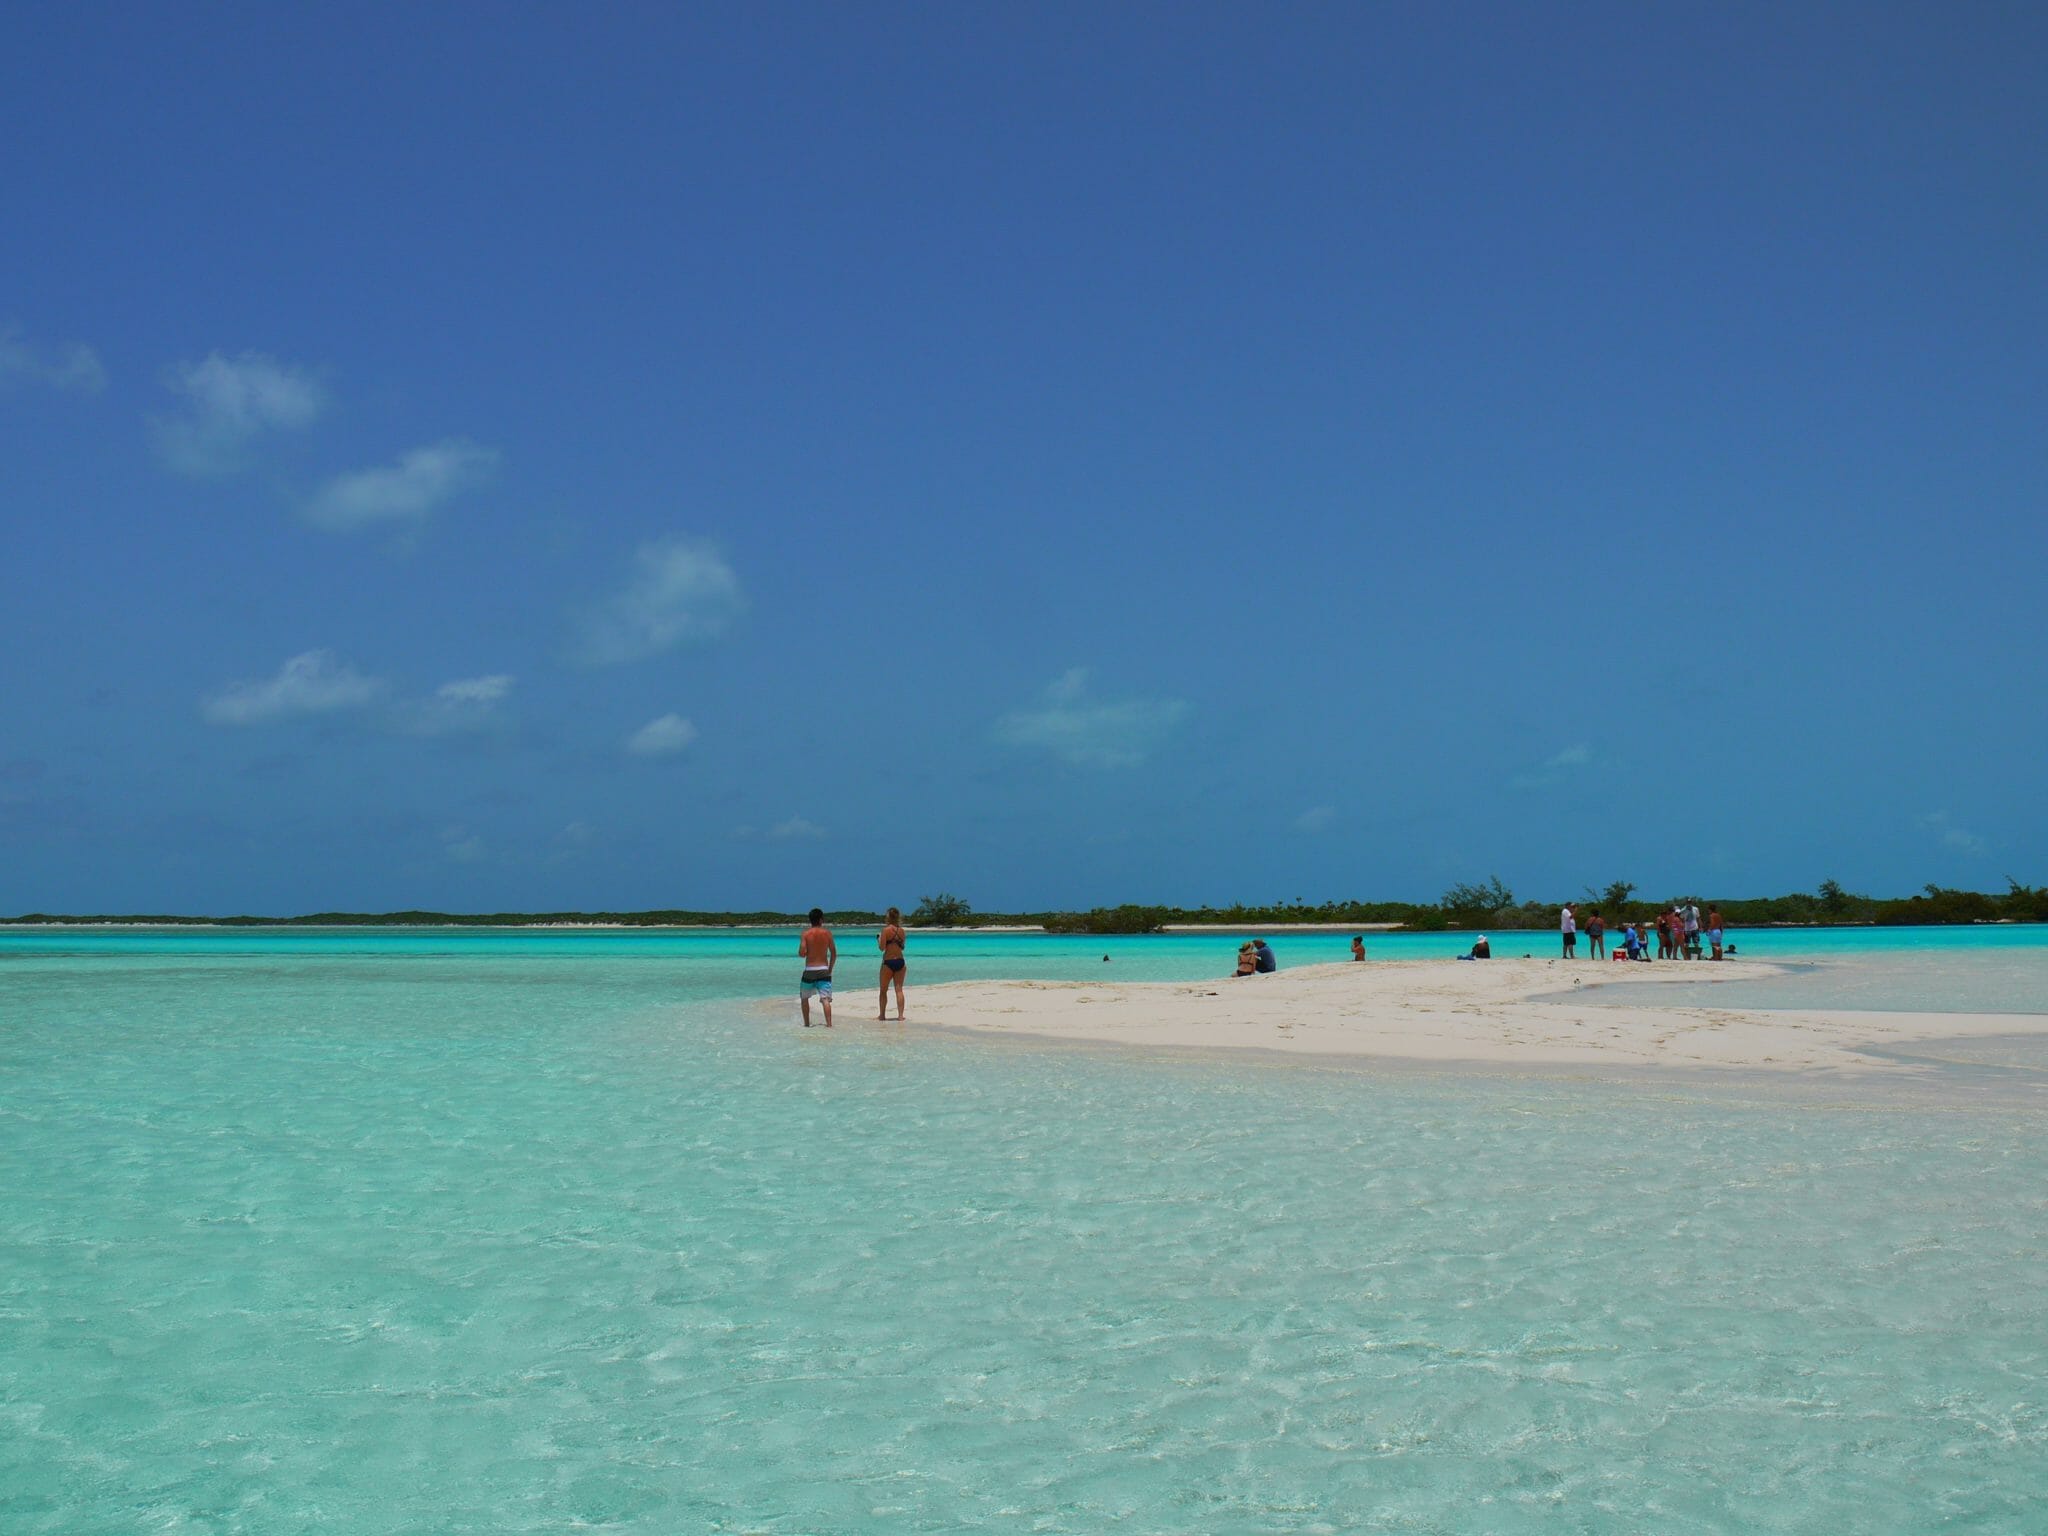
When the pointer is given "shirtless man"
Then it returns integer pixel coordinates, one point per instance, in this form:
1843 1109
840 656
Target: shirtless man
820 955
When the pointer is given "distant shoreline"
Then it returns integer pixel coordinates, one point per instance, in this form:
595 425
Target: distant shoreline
292 925
1253 926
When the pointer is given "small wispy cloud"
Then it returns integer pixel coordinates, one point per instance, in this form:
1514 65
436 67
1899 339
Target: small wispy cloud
465 704
75 368
1317 818
1957 839
462 845
476 690
311 683
663 736
795 830
681 590
228 403
1074 726
1554 769
405 492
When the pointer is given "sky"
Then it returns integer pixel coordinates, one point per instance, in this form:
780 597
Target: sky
557 457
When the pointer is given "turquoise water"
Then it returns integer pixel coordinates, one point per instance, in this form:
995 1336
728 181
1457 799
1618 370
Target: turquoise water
488 1232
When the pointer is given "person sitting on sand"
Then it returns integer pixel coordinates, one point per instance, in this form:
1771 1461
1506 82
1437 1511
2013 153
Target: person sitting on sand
1632 944
1266 961
1358 948
1481 950
1247 959
891 944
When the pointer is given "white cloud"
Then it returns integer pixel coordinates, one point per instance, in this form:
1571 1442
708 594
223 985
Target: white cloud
462 845
682 590
1317 818
403 492
662 737
466 704
76 367
476 690
1957 839
229 402
571 843
1555 768
795 830
311 683
1091 733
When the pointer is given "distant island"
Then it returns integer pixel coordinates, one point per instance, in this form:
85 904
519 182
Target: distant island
1467 905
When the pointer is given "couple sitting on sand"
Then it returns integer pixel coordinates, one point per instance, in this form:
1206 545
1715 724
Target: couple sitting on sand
1255 959
821 953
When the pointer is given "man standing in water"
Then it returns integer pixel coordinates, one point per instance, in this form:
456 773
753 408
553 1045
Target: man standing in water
820 955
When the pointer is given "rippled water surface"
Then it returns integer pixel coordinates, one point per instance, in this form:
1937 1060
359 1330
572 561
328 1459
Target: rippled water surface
416 1235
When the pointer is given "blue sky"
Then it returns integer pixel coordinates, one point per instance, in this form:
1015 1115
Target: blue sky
524 457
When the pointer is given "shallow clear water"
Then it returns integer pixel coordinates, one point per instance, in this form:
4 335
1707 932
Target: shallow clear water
503 1233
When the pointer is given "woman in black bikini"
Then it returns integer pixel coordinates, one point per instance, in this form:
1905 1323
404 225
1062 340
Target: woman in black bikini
891 943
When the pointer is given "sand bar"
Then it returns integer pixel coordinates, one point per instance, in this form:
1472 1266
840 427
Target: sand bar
1498 1012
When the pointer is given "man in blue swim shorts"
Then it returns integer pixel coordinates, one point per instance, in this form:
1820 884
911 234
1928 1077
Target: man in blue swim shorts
820 954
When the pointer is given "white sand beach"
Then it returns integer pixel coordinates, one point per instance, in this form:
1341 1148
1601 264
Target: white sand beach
1501 1012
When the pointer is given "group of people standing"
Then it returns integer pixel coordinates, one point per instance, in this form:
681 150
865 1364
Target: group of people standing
820 953
1682 934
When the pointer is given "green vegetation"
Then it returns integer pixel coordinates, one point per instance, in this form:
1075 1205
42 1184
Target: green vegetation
1488 904
942 911
1469 905
1125 919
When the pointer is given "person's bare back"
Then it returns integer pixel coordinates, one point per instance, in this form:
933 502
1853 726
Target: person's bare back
820 953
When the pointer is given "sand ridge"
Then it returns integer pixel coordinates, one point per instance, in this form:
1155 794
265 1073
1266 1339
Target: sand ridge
1505 1012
